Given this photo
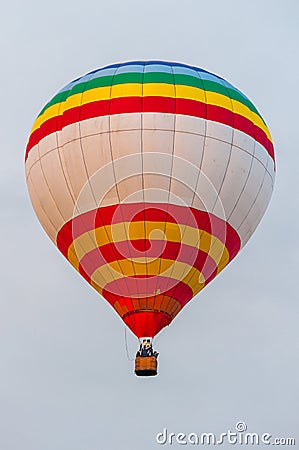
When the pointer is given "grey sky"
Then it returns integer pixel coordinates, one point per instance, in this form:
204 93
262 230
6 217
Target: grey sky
232 354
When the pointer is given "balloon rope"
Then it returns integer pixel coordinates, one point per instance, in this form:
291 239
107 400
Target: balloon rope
126 344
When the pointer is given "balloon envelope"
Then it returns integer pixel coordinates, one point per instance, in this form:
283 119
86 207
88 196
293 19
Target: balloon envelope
149 177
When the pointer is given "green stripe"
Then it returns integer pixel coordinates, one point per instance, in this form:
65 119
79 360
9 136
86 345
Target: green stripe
153 77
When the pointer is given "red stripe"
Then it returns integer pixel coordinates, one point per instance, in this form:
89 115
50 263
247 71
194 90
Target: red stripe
173 251
150 104
147 323
182 215
125 289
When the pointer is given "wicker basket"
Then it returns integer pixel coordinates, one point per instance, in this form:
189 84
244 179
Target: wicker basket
146 366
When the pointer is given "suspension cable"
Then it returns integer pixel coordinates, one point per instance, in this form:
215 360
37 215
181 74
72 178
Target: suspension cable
126 345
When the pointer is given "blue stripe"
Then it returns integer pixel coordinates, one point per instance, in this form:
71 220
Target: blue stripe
185 71
148 63
139 68
151 66
158 68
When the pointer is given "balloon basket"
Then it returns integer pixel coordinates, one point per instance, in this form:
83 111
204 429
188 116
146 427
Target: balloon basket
146 366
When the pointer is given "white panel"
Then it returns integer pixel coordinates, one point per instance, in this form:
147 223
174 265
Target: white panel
56 182
189 124
257 211
184 178
177 200
244 141
198 203
33 157
70 133
103 186
138 195
219 131
157 141
47 144
270 167
182 192
248 194
271 174
128 187
184 171
235 179
127 167
189 147
219 210
261 153
205 194
215 161
42 217
157 164
130 121
125 143
73 165
59 136
94 126
110 198
44 196
96 150
158 121
156 188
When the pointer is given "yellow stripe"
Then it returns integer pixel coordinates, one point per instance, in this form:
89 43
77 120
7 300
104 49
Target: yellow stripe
151 89
159 90
176 270
216 99
222 258
170 269
125 231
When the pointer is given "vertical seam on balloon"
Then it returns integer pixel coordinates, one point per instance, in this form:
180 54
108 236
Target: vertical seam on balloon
40 203
127 232
198 176
230 151
169 189
58 209
67 179
229 158
218 196
248 175
51 195
116 188
68 182
59 148
92 236
111 270
69 187
43 174
142 181
255 199
250 232
247 178
245 183
203 227
49 190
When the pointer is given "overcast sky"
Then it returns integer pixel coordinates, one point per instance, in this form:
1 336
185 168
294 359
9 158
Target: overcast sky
232 354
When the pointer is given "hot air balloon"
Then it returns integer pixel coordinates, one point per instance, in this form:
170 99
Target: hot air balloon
149 177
